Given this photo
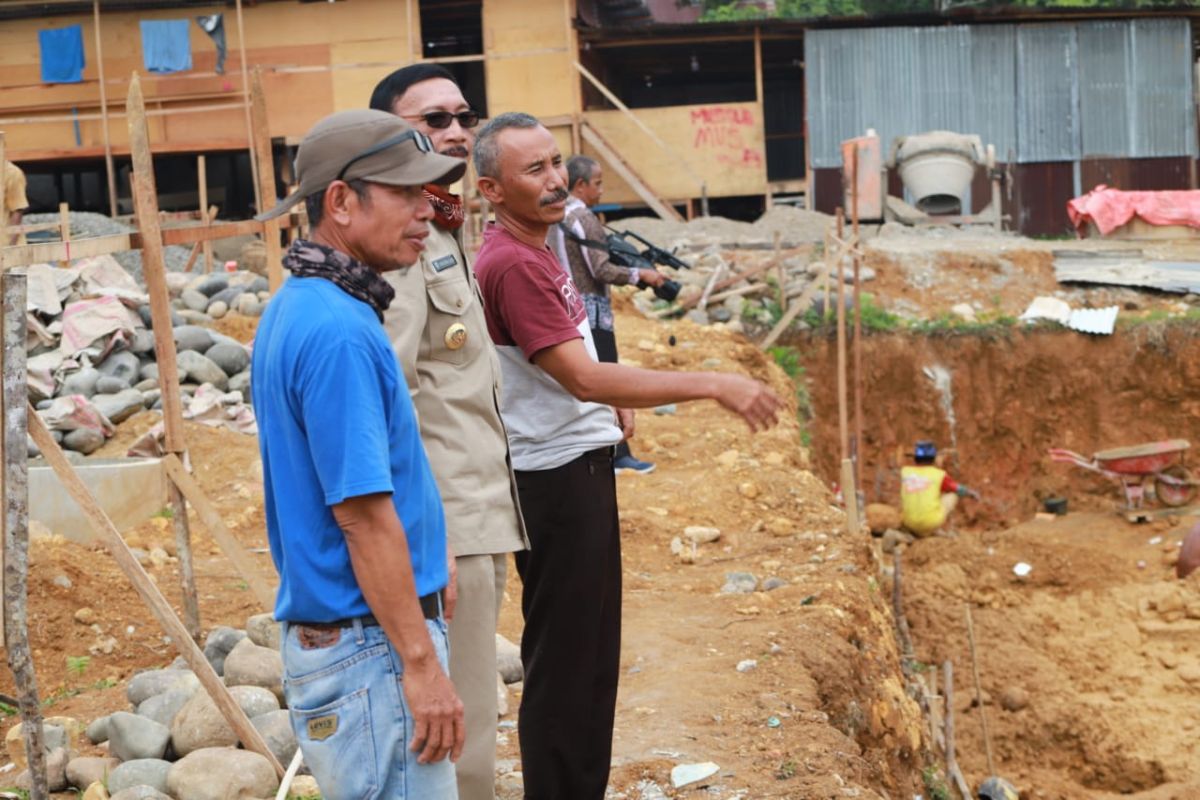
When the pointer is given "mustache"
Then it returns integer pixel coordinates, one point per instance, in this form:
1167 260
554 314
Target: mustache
558 195
456 151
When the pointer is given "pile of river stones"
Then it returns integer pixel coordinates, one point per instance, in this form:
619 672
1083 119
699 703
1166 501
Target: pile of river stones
174 743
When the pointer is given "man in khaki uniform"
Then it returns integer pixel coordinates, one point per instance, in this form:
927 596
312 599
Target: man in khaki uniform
438 331
15 201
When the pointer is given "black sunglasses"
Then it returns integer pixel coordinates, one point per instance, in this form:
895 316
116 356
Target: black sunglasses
440 120
419 139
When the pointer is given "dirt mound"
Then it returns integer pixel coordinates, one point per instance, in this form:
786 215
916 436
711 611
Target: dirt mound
795 226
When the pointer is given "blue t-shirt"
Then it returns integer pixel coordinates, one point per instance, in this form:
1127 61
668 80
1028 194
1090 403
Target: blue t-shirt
335 421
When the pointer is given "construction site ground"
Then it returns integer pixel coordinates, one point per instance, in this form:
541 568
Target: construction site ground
1090 665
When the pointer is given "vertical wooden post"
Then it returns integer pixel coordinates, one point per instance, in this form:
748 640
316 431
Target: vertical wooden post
758 70
955 773
246 107
3 207
145 206
858 377
109 171
266 179
843 416
780 273
202 183
16 529
983 720
64 231
569 11
850 497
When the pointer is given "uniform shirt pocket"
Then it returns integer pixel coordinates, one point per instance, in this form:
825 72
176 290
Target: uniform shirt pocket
451 338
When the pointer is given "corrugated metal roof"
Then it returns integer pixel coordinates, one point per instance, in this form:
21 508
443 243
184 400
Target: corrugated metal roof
1039 92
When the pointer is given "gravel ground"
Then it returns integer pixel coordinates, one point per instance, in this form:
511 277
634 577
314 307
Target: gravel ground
796 226
85 224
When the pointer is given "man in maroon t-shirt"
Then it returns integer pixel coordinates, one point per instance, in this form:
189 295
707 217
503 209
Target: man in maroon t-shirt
558 406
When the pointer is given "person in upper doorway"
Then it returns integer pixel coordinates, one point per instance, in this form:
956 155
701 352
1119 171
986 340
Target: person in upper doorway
565 410
440 337
593 272
15 201
927 494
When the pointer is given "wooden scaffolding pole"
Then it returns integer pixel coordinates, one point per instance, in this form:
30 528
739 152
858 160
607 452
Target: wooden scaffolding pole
4 216
843 417
109 171
266 179
151 596
258 199
145 207
16 530
202 184
858 376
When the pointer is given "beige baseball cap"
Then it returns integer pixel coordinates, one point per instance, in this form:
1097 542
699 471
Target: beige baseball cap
367 145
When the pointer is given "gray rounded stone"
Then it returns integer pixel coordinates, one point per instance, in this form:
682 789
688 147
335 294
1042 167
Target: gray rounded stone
146 384
162 708
123 365
196 301
198 318
227 296
218 310
263 630
192 337
81 382
201 369
140 793
111 385
276 729
241 383
97 732
83 440
151 398
251 665
220 641
212 284
146 684
232 359
248 305
140 772
220 338
82 772
132 737
200 724
120 406
221 773
143 342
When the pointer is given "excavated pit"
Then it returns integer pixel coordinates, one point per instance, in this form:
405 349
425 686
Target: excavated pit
1089 665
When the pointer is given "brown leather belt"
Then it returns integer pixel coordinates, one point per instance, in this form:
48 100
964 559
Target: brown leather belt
431 607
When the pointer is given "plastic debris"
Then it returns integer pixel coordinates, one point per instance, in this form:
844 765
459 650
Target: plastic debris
1021 569
773 721
747 665
685 774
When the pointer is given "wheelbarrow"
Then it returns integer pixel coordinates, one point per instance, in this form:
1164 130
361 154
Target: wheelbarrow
1152 463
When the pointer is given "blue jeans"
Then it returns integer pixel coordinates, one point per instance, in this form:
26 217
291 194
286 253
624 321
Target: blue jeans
344 689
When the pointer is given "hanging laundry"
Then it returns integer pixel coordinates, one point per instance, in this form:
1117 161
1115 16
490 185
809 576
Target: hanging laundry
62 54
165 45
214 26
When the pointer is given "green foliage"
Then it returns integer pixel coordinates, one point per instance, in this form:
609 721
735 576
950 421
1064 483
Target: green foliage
303 796
785 770
935 784
788 359
741 10
77 665
166 512
21 793
9 711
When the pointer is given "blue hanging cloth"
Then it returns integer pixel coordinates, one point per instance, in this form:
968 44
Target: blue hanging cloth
62 54
165 45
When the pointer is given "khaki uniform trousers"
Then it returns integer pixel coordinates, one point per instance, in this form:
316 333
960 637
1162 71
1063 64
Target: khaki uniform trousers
473 668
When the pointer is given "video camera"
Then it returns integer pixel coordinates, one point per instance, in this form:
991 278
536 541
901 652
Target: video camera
624 253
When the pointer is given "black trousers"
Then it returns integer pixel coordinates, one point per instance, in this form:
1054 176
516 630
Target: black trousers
571 646
606 350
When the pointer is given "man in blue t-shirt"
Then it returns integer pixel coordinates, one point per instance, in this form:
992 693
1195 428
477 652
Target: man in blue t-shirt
354 517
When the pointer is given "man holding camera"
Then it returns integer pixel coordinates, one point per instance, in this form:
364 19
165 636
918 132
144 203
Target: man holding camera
593 271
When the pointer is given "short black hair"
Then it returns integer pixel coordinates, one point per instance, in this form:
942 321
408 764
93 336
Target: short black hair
393 87
314 204
580 168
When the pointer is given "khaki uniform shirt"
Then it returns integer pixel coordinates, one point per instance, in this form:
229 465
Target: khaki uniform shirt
440 336
14 195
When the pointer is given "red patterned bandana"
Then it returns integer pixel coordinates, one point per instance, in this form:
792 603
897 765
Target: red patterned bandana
447 208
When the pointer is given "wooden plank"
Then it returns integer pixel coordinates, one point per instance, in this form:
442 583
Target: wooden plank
16 530
4 234
216 527
246 107
205 217
804 301
145 205
266 179
619 166
149 592
109 171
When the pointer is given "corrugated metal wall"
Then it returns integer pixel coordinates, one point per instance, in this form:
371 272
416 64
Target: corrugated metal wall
1038 92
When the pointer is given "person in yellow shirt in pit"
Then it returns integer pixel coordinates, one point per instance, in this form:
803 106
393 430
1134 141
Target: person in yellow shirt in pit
927 493
13 201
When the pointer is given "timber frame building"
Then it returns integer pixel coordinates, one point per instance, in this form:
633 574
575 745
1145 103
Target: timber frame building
685 114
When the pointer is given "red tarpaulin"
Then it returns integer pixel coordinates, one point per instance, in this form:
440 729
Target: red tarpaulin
1109 208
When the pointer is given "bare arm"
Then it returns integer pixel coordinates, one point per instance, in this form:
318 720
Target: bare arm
383 568
630 387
